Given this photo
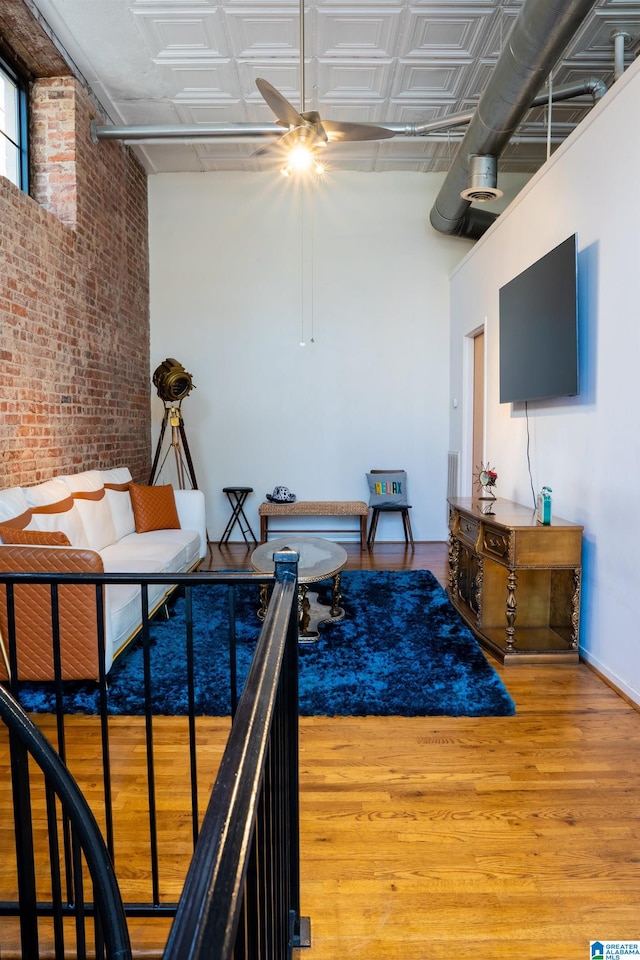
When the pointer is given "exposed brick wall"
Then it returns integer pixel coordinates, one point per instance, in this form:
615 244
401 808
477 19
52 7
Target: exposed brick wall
27 41
74 304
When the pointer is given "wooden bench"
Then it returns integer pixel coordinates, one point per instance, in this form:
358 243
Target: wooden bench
314 508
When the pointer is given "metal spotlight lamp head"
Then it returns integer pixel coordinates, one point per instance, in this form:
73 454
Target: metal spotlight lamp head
172 381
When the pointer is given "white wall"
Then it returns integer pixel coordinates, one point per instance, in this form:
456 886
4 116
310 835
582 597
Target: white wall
586 448
227 256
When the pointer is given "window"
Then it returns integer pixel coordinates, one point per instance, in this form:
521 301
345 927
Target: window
13 127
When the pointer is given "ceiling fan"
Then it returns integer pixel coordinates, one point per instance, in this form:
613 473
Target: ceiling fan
306 131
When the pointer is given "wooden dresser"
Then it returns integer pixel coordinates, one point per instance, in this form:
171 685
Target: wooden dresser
514 581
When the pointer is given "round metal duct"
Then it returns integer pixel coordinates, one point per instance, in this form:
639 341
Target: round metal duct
483 177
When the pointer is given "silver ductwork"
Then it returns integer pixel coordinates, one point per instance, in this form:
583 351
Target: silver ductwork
620 39
162 132
483 179
538 38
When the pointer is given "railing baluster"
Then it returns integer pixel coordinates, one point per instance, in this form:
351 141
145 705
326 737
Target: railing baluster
78 899
193 759
151 776
25 857
104 722
60 731
233 650
56 880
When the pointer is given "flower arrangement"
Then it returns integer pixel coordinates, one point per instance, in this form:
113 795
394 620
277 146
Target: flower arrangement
491 477
487 478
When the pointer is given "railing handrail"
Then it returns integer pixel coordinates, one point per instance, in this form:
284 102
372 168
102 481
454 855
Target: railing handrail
191 579
210 903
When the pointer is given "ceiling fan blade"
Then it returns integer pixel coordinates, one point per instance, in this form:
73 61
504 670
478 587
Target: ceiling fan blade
337 131
313 117
269 149
304 135
284 111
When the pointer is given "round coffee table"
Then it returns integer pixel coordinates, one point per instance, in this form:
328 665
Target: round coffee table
319 560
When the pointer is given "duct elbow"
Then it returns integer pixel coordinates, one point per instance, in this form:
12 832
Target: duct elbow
475 223
443 224
596 87
472 225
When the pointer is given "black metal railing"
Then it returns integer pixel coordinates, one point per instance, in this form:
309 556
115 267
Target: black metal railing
256 793
66 805
242 895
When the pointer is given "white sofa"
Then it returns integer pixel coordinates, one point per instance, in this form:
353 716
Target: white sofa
94 510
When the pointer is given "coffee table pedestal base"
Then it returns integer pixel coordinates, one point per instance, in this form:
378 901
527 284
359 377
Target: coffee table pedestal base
311 612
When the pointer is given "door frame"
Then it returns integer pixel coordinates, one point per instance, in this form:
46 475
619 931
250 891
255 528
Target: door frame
467 467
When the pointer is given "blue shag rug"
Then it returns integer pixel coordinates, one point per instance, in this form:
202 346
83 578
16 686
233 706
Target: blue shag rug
402 650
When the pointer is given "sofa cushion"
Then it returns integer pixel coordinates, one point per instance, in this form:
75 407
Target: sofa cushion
87 490
53 508
154 508
42 538
116 485
14 508
186 543
179 549
125 611
174 550
125 599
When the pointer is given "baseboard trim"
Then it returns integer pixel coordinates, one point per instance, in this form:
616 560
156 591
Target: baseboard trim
626 693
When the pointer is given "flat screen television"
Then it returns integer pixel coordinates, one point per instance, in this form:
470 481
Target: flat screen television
539 329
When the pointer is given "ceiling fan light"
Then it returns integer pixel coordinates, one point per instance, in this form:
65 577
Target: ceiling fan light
300 158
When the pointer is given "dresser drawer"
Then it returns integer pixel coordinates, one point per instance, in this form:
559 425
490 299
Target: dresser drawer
495 542
468 529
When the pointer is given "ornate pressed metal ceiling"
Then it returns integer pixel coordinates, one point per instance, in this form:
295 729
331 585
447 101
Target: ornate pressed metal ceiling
399 61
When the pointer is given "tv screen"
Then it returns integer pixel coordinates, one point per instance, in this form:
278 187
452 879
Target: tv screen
539 329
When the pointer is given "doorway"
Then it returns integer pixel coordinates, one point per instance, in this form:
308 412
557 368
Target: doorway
477 444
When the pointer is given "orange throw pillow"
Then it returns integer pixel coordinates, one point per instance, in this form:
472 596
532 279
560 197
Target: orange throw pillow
154 508
38 538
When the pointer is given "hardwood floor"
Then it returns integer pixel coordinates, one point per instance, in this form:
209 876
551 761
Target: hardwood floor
514 837
463 838
384 556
